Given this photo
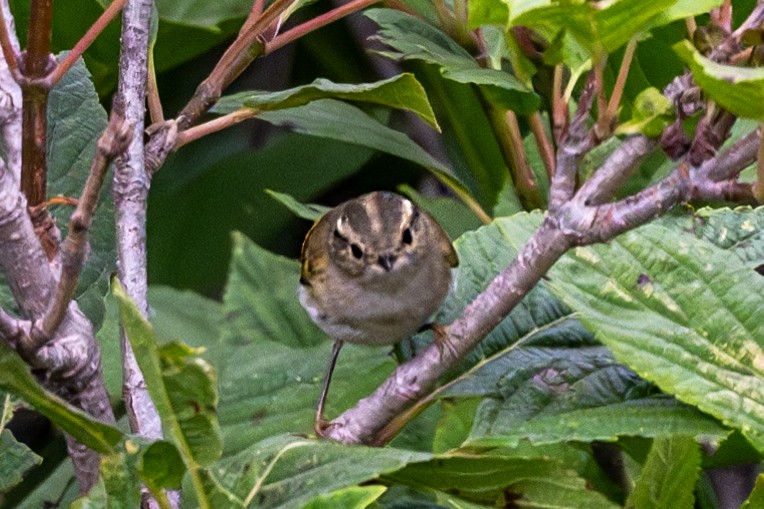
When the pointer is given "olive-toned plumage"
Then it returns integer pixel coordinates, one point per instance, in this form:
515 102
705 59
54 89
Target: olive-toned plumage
374 269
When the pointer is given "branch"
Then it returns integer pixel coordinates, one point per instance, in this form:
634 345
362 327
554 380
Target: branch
113 141
84 43
236 58
735 159
414 379
10 94
130 189
69 363
576 142
37 64
295 33
215 125
575 218
14 331
543 142
617 168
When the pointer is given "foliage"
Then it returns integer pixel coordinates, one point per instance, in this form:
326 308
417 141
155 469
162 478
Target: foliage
648 346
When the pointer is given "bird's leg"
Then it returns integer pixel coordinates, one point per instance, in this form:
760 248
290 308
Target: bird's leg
441 338
319 425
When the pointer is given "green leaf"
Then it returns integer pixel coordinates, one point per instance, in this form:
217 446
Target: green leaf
468 134
401 92
254 274
182 386
275 357
354 497
652 113
737 89
682 9
686 316
669 475
75 122
16 378
184 314
645 417
756 499
15 459
539 375
161 466
121 481
500 88
487 12
455 217
340 121
502 481
456 419
598 27
119 484
207 15
740 232
210 188
288 471
309 211
414 39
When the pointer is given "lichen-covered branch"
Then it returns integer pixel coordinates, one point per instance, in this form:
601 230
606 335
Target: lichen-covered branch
69 363
10 94
579 214
130 189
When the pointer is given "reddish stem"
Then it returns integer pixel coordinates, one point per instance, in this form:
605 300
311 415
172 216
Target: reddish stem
236 58
84 43
315 23
34 102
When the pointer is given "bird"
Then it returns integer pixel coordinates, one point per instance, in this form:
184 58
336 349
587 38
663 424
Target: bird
372 271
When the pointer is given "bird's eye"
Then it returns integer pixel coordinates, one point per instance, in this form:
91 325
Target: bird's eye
356 250
407 238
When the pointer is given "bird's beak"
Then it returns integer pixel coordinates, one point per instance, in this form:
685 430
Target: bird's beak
387 261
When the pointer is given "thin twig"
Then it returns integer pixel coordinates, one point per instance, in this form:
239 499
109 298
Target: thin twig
722 16
576 143
215 125
84 43
257 9
236 58
510 140
617 168
113 141
37 62
153 101
543 142
309 26
559 105
692 26
620 82
598 71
